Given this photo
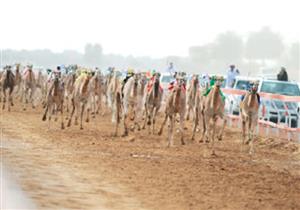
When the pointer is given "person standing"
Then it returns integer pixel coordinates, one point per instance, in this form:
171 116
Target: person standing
231 76
282 75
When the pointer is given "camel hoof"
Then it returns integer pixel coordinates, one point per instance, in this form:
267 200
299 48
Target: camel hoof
213 154
44 118
62 127
69 124
220 138
81 128
87 120
159 133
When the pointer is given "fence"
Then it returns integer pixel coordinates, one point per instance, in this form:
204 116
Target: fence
279 115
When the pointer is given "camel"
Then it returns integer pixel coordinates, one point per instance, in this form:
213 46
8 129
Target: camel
1 73
95 88
18 80
249 114
114 99
213 109
191 95
55 100
152 102
130 102
198 107
69 81
176 104
7 82
80 98
29 87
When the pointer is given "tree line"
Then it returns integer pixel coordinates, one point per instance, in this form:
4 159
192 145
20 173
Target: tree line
258 49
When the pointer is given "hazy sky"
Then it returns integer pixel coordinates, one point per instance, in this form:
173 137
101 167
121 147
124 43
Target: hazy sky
139 27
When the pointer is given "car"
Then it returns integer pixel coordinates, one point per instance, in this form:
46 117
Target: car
277 111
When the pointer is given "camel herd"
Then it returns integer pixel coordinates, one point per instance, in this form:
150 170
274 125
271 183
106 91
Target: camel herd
83 92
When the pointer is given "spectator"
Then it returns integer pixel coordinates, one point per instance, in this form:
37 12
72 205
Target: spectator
231 75
282 76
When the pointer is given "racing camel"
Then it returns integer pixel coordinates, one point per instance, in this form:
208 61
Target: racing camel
29 86
130 101
54 101
7 82
18 80
191 96
176 104
213 109
249 113
69 81
80 98
114 100
95 93
152 101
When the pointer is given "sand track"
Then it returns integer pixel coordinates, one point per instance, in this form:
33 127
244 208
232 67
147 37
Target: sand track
90 169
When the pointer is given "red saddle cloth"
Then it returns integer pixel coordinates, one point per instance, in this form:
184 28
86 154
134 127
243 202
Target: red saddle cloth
172 85
150 84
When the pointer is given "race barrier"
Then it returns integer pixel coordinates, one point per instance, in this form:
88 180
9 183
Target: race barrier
279 115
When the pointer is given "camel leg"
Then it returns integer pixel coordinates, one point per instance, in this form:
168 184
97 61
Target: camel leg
62 115
4 99
99 104
213 135
31 97
25 100
163 124
77 109
254 124
220 135
249 129
195 124
11 98
88 115
125 125
153 119
150 119
208 129
81 115
171 129
204 126
145 116
72 113
181 127
187 116
243 131
45 113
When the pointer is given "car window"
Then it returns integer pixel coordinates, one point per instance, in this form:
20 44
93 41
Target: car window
280 88
166 79
242 85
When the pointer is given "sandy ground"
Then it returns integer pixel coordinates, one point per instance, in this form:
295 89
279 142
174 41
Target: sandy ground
90 169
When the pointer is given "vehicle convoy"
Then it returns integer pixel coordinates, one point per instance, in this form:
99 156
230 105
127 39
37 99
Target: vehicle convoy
275 111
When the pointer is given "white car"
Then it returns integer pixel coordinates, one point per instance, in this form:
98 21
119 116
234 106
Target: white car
276 109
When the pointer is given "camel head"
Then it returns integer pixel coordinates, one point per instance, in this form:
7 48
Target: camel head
29 67
219 81
195 80
7 68
254 87
18 66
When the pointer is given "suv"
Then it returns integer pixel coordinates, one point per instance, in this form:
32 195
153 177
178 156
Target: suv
277 110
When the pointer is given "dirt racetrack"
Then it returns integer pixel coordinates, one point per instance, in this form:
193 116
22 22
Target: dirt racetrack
90 169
